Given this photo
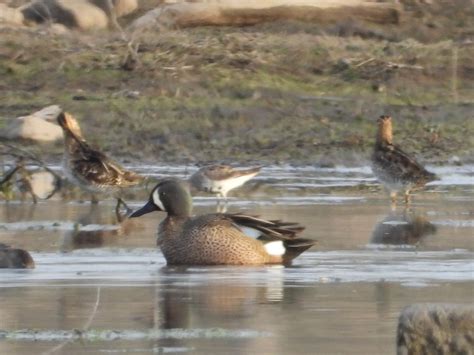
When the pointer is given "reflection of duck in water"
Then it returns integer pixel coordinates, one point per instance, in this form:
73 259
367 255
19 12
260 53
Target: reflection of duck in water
216 300
219 238
402 228
92 230
12 258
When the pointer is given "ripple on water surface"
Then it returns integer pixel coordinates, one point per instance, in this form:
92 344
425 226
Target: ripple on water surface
140 267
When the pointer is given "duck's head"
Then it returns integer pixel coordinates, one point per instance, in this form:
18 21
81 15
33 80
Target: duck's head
23 259
171 196
384 134
69 124
15 258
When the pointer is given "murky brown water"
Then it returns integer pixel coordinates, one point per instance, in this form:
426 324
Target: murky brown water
344 296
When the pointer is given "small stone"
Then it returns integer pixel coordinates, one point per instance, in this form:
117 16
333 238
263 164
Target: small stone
455 160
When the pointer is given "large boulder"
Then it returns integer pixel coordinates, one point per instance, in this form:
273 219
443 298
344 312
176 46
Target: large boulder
10 15
436 329
73 14
41 183
35 126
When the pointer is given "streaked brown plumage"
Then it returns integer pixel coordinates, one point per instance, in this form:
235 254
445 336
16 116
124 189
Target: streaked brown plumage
394 168
220 179
12 258
218 238
88 168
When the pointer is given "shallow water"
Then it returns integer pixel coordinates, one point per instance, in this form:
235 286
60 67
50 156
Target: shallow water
100 287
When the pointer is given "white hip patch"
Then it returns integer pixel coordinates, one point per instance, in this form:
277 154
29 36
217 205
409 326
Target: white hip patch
275 248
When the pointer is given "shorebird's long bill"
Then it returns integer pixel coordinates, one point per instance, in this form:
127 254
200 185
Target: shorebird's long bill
149 207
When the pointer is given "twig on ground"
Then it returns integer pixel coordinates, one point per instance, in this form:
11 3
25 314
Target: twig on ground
84 328
24 154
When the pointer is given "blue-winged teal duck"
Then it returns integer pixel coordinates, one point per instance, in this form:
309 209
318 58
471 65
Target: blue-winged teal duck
220 179
11 258
218 239
394 168
88 168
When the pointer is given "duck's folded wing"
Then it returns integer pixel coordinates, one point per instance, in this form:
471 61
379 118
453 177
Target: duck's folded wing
250 225
269 229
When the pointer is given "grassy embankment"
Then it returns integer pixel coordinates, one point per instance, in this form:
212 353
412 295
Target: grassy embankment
286 92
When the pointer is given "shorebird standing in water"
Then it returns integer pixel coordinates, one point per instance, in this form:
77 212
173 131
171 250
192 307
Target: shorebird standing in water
91 169
394 168
220 179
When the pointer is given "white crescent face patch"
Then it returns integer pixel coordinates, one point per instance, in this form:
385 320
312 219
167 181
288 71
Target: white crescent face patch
157 200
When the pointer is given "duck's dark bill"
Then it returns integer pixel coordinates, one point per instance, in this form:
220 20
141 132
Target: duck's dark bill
149 207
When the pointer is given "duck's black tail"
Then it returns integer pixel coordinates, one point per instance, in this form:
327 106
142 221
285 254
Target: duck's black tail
295 247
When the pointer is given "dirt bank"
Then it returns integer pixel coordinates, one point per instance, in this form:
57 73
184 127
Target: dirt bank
278 92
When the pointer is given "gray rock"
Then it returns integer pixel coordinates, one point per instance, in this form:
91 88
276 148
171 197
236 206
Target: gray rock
10 15
42 184
436 329
77 14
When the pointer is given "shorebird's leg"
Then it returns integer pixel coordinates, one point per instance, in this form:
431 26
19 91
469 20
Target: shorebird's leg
120 216
33 196
223 208
393 198
94 199
26 177
117 210
407 197
220 207
393 207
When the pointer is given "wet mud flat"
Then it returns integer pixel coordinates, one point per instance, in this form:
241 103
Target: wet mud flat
101 287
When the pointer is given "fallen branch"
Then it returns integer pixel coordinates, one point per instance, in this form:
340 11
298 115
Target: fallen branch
246 13
20 153
25 181
84 328
403 66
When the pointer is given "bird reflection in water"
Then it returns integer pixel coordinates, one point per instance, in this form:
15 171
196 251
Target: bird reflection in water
93 230
215 302
402 228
